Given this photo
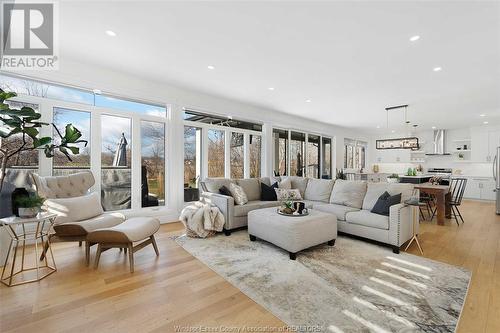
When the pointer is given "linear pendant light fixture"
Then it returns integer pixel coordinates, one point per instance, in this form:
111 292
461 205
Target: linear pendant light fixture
399 143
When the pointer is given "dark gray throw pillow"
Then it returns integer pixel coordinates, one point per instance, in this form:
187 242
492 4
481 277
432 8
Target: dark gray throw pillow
225 191
267 193
384 203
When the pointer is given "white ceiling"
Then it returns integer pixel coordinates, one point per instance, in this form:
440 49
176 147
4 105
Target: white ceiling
352 59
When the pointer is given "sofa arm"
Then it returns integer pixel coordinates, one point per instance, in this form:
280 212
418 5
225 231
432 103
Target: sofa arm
400 224
224 203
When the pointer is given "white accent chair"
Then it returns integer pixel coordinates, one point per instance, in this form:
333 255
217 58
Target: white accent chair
79 211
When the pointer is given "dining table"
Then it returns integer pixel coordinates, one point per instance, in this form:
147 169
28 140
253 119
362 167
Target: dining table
442 195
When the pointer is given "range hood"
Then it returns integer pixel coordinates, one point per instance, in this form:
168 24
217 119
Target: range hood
439 143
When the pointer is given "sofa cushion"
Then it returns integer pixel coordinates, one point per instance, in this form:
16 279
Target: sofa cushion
384 203
214 184
239 195
299 183
339 211
373 192
242 210
348 193
267 193
251 186
285 184
76 208
318 189
82 228
368 219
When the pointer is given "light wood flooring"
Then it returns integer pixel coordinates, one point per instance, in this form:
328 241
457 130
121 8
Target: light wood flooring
176 289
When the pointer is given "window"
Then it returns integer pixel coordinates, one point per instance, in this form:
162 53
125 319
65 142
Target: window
312 156
255 146
152 164
326 154
216 153
81 161
116 162
280 148
354 154
192 156
205 118
297 151
237 155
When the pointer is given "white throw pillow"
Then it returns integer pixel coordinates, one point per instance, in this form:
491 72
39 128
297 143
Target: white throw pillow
239 195
286 184
287 194
75 209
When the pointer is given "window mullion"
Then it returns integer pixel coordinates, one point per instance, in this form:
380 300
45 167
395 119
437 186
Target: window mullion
136 163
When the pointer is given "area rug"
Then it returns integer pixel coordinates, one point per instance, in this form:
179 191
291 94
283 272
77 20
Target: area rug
354 286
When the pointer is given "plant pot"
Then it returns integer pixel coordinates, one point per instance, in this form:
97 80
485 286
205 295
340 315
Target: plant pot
393 180
28 212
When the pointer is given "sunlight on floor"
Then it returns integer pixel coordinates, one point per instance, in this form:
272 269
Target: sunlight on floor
400 278
406 270
425 268
395 287
387 313
364 322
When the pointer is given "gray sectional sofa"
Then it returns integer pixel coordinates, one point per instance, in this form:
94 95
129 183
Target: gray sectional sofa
350 201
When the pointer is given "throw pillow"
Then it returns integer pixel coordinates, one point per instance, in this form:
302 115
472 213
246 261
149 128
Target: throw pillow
267 193
239 195
384 203
225 191
286 184
75 209
285 194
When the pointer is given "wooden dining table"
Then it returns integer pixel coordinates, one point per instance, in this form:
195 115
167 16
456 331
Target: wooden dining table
442 194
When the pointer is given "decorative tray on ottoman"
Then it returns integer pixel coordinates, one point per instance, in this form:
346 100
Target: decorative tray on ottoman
289 211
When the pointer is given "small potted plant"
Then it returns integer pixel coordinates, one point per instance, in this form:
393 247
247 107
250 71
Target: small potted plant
29 205
460 156
394 178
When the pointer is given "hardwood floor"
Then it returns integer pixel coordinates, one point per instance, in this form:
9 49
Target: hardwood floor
176 289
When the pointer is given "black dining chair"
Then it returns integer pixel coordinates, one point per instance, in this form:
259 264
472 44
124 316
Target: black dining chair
457 189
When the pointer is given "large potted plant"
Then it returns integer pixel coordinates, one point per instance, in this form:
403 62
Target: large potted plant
20 132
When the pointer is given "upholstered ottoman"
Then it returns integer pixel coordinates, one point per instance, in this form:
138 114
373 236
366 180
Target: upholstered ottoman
292 233
123 236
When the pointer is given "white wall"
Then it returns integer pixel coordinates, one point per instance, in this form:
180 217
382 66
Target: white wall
134 87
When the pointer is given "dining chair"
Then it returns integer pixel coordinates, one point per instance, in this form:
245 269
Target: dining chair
457 189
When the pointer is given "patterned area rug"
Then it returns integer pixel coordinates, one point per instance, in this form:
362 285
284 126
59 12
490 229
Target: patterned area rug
354 286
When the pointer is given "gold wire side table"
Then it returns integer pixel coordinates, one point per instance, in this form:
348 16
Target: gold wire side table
22 230
415 206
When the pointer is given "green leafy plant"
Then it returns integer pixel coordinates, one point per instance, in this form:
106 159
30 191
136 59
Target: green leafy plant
30 201
25 124
394 175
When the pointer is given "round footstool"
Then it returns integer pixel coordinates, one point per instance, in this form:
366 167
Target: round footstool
123 236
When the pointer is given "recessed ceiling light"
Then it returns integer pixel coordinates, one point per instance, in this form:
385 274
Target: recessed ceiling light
482 115
210 67
485 122
414 38
437 69
111 33
271 88
433 127
308 101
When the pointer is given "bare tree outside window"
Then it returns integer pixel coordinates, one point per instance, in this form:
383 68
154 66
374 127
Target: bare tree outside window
237 155
216 153
255 146
312 156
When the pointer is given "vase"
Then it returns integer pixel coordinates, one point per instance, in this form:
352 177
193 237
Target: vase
28 212
17 193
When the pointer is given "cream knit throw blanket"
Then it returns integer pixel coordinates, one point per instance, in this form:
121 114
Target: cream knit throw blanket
201 219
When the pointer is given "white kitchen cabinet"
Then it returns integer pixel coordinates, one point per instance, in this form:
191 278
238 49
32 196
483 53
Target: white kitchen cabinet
480 188
493 143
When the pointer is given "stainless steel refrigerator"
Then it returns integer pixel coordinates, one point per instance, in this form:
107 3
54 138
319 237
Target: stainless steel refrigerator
496 176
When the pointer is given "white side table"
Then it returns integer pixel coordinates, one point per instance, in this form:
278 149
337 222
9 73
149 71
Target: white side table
22 230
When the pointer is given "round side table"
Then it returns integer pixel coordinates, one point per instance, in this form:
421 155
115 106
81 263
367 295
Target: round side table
22 230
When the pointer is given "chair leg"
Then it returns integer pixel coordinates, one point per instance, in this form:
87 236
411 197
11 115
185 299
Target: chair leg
131 257
97 256
454 214
44 250
459 214
153 241
87 253
125 250
80 243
